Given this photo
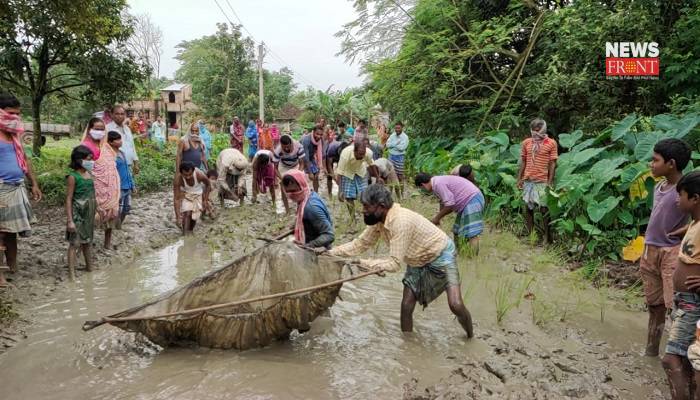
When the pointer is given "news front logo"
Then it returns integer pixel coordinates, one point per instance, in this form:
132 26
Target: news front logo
632 60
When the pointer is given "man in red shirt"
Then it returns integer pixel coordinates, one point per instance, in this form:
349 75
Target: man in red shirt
538 163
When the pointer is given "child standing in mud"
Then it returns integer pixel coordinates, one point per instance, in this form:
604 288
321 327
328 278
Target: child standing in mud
663 236
126 181
80 208
686 299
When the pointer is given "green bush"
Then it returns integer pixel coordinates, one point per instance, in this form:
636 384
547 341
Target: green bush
591 207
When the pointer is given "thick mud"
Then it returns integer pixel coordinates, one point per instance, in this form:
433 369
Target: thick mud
43 267
556 338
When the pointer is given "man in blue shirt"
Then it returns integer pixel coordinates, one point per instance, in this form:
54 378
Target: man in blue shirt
126 180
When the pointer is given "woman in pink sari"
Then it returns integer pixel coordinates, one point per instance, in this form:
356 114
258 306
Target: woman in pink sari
106 181
94 134
275 133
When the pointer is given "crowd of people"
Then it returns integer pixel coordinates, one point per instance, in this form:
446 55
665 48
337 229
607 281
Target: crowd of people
100 184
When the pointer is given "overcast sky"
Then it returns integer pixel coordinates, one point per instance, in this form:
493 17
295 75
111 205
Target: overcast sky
299 32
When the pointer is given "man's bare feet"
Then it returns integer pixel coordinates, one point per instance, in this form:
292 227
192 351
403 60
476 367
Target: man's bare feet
3 281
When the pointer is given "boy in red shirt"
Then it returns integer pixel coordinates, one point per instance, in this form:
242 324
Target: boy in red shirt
538 163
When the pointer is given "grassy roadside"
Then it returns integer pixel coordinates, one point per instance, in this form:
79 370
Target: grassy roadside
157 166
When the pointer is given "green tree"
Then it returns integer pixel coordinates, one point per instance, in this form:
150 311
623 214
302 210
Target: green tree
220 69
278 90
466 67
49 47
336 106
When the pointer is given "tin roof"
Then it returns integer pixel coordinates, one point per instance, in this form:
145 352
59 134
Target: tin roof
175 87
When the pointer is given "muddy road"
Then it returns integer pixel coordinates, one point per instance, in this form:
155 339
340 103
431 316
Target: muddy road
557 337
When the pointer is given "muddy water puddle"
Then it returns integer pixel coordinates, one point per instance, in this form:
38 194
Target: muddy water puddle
355 351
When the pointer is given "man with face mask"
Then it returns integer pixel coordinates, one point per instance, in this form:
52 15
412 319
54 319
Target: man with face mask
538 163
351 173
413 240
231 166
119 125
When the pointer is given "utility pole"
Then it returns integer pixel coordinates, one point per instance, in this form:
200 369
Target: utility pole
261 94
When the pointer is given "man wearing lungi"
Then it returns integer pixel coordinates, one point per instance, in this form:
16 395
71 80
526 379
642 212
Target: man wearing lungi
351 174
413 240
538 163
461 196
15 209
397 145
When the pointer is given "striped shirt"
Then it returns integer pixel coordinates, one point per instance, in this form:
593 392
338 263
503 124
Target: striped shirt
412 239
537 167
291 159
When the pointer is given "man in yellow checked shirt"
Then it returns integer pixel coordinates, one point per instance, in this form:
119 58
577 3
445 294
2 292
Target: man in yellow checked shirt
415 241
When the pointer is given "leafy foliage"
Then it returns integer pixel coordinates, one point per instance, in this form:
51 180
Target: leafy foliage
51 168
474 66
48 48
224 79
377 31
336 106
592 205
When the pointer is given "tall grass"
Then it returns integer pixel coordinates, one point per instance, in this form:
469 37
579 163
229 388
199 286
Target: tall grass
509 295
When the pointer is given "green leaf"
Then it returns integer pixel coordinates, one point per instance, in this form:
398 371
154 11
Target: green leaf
606 169
581 220
621 128
676 127
631 173
587 155
501 139
515 151
645 145
566 225
592 230
630 140
626 217
508 180
583 145
596 211
568 140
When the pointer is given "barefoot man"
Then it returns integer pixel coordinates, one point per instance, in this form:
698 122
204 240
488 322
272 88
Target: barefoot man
413 240
351 174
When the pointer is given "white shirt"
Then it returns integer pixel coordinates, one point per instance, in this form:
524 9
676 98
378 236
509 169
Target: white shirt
128 146
385 167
